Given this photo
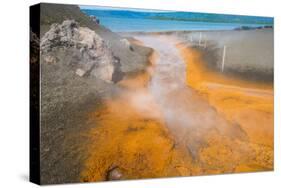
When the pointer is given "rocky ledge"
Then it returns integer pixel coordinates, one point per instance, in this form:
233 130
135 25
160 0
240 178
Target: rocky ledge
79 48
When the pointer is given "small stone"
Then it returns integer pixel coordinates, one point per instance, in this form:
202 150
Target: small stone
50 59
114 174
126 43
80 72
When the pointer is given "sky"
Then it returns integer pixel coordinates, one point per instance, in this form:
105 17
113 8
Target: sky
115 8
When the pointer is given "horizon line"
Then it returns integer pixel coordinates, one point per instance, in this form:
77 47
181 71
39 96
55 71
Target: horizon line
94 7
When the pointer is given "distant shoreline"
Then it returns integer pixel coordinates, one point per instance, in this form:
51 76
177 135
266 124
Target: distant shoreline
149 21
186 31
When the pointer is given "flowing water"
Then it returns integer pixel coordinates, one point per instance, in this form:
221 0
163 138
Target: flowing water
166 128
187 115
215 144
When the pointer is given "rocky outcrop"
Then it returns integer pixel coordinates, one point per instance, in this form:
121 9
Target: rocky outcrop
80 48
95 19
132 57
68 92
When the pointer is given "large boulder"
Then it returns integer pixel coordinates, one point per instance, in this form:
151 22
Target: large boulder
87 53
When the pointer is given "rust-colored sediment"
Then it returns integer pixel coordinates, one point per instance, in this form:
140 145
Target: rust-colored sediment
130 135
248 104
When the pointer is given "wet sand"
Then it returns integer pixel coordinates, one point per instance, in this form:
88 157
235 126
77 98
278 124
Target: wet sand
173 120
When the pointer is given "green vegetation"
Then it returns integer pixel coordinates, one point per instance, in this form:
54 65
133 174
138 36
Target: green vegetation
206 19
57 13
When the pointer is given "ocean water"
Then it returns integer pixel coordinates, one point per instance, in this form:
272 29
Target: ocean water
149 21
154 25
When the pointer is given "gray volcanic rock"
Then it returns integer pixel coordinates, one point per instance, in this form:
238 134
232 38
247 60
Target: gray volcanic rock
114 174
90 55
76 70
75 83
95 19
132 57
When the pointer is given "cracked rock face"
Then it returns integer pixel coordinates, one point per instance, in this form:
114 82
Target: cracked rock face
80 48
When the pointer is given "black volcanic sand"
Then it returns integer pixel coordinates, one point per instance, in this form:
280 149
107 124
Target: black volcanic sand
67 99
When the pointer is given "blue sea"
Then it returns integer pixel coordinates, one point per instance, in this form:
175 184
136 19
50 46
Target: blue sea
134 21
148 25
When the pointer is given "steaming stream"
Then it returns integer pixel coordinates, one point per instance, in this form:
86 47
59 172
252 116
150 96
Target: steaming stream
189 117
166 128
